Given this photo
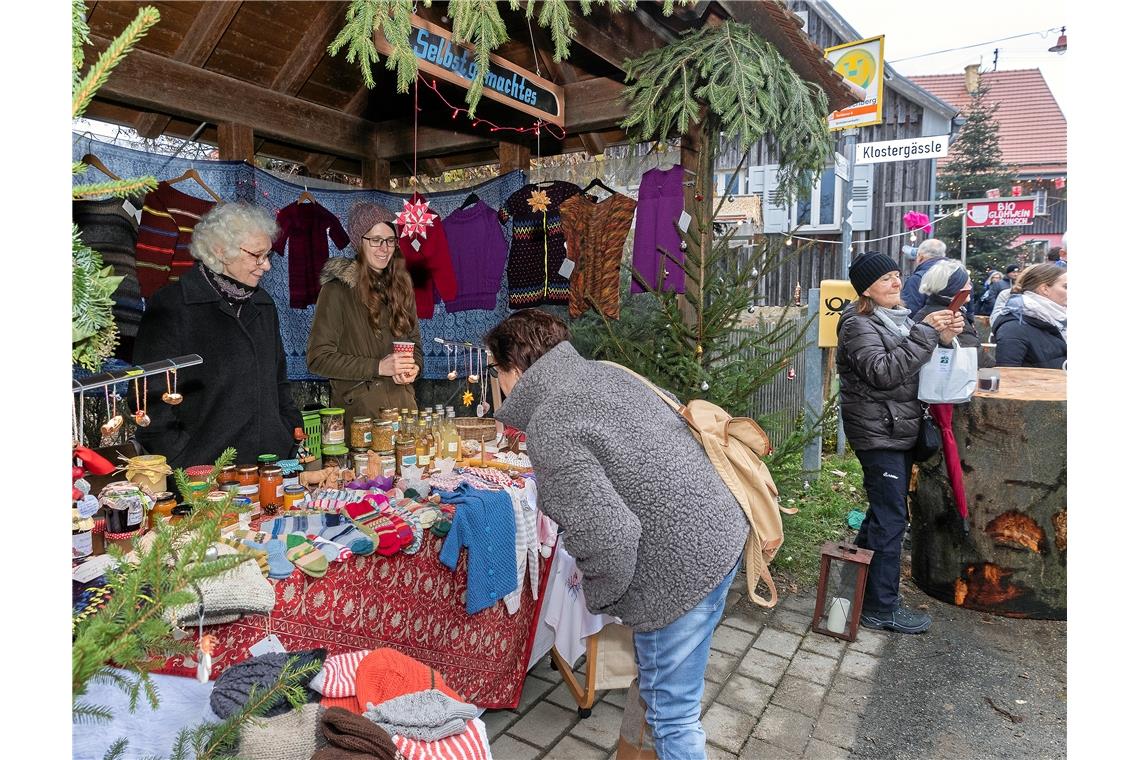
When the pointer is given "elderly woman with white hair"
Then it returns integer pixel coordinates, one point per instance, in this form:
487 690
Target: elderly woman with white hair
239 396
939 285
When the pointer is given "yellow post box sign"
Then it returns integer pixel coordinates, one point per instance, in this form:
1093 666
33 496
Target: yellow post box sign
834 296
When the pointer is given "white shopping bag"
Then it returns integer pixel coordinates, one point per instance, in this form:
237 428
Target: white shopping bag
950 377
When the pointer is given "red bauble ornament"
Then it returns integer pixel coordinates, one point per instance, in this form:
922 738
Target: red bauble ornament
698 196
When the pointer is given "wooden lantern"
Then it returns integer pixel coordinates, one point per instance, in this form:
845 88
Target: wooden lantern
839 601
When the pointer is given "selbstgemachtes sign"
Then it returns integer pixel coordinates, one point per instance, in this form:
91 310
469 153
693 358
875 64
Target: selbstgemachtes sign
439 55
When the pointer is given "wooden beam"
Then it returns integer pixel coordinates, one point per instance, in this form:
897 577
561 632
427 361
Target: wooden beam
318 163
309 50
235 142
612 38
201 38
153 82
563 73
513 156
376 173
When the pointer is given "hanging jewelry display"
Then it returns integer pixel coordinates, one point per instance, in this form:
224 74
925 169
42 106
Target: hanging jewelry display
471 376
115 420
468 396
172 397
484 381
452 369
142 419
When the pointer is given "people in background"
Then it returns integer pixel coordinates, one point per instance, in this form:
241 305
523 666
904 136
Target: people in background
1056 256
999 291
929 251
1030 329
879 355
621 477
366 303
239 395
940 284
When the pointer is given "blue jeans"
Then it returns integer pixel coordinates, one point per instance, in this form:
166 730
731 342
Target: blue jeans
671 665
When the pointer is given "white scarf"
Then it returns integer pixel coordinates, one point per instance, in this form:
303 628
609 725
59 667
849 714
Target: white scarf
897 319
1040 307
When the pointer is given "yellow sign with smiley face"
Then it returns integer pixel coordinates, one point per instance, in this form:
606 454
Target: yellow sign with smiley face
860 63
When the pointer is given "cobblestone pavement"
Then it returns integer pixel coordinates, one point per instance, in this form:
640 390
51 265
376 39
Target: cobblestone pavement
773 690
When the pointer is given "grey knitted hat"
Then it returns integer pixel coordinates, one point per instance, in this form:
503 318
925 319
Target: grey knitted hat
428 715
363 217
231 690
241 591
290 736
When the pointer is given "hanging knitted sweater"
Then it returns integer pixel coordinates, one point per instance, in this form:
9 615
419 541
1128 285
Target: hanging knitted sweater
307 227
538 245
163 248
595 238
478 255
106 227
429 264
660 200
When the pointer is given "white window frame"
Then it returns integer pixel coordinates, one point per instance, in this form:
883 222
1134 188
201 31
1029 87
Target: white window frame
814 225
1041 202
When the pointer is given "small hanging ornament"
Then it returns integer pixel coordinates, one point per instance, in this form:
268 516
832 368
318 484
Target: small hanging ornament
172 397
115 420
142 419
415 219
471 376
684 246
468 397
452 372
538 201
704 385
796 295
791 373
700 349
755 272
698 196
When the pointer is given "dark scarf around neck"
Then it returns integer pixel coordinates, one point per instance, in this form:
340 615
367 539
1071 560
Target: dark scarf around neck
234 292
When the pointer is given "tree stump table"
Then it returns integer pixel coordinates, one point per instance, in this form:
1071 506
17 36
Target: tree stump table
1011 444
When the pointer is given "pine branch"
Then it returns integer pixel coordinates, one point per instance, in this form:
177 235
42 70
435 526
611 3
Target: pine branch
97 75
120 188
478 22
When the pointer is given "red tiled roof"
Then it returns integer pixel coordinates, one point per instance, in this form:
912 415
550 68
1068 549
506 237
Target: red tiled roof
1031 128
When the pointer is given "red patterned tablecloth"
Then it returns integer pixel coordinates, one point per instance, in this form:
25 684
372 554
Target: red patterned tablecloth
410 602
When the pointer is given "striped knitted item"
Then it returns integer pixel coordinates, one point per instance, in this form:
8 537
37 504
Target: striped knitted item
334 551
468 745
338 676
348 703
403 508
260 557
392 533
333 499
163 248
308 558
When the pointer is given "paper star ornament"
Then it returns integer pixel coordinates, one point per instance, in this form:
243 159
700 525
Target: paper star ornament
538 201
468 398
415 219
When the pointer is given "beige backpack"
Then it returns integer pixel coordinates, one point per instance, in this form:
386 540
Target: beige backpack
735 446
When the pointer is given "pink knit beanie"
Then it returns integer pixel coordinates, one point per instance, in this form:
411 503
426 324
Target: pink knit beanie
362 217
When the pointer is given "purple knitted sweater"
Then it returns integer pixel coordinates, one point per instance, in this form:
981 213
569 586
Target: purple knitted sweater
478 256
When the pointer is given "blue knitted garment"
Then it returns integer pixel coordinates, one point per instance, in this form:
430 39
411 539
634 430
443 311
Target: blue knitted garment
485 524
237 180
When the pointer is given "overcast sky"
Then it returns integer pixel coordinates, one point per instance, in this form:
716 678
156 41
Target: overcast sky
913 28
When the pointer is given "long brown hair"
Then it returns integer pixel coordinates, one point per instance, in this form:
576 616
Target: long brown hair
1037 275
387 291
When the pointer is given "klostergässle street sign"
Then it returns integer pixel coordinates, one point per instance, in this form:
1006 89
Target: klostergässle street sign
934 146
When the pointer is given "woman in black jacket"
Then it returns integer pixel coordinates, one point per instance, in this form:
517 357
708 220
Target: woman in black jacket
239 395
880 353
1030 329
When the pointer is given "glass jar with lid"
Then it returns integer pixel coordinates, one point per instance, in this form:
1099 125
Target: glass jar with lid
271 489
360 433
383 437
332 426
336 456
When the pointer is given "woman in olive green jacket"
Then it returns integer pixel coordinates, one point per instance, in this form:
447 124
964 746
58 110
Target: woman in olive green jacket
365 304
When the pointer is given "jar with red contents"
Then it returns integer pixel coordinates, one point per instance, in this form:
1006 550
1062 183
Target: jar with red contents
249 483
271 490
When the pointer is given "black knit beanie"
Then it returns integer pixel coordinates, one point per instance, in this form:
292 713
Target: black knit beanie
868 267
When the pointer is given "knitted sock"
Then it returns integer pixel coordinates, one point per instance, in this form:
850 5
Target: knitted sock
279 564
367 515
260 557
331 549
343 531
283 525
309 559
404 511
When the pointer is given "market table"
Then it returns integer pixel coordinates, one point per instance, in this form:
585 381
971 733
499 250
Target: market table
410 602
1011 443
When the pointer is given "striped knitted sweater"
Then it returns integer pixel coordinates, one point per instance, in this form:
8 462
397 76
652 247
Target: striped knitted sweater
595 238
163 249
538 245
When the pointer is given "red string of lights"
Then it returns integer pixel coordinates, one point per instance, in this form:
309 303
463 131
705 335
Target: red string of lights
555 131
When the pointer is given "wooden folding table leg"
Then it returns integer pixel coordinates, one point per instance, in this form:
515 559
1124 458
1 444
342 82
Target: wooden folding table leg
583 695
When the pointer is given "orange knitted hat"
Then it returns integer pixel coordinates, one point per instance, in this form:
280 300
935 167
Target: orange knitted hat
387 673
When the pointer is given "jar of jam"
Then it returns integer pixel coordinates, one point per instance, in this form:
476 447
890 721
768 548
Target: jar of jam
264 459
164 503
383 437
200 473
360 433
271 489
332 426
249 482
197 488
126 506
227 475
294 496
181 512
82 544
243 507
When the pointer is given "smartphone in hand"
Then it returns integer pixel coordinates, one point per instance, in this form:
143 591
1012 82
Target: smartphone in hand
959 299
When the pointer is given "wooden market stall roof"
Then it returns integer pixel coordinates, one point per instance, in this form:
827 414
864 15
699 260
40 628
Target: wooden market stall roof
258 75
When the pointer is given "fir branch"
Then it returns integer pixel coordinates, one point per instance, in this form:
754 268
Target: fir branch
120 188
117 750
97 75
86 713
479 23
80 36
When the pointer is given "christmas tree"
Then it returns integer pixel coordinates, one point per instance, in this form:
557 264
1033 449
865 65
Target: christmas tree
976 166
728 82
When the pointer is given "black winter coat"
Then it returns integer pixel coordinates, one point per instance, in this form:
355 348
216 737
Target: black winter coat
878 381
1030 342
969 335
238 396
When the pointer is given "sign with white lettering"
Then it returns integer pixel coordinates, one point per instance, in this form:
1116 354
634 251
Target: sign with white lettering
439 55
935 146
1000 214
861 63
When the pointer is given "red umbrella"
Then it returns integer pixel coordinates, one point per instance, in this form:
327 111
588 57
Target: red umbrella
943 415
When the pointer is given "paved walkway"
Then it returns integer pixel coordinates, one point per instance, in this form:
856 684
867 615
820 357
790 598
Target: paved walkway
773 690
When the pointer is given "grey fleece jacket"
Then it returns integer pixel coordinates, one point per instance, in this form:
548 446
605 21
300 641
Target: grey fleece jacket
651 524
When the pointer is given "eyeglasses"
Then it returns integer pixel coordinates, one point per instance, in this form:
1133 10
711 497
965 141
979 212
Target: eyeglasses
260 258
379 242
493 370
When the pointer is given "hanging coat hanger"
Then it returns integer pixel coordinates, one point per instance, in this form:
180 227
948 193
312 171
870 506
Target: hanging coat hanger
469 200
93 161
194 175
595 182
306 196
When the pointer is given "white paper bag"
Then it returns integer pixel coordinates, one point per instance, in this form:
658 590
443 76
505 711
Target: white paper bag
950 377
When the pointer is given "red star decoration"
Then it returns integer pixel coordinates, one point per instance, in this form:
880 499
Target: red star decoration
415 219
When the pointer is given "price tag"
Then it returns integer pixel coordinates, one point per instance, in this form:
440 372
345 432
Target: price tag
269 645
684 220
93 568
130 209
566 269
416 243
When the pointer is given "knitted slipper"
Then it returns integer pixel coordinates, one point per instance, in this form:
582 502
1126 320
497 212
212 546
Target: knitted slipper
279 565
309 559
259 556
331 549
366 514
360 539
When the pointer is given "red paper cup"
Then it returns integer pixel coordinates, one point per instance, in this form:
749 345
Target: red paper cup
403 347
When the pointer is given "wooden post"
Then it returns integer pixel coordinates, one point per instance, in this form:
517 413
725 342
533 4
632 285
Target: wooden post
513 156
813 394
235 142
698 153
375 173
